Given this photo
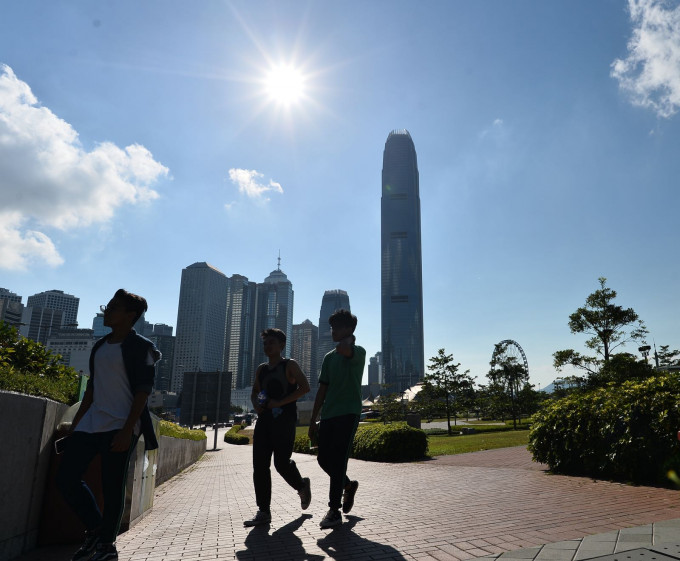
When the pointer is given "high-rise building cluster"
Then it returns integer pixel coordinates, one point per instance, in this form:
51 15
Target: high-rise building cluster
51 318
220 318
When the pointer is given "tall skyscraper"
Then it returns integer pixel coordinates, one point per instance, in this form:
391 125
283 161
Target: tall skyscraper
274 308
40 323
57 300
305 341
401 265
201 322
332 301
241 341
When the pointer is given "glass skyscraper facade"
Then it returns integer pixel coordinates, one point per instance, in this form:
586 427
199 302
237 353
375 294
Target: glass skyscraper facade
201 322
332 301
401 265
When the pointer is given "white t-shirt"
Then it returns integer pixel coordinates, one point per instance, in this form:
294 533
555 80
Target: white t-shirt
112 393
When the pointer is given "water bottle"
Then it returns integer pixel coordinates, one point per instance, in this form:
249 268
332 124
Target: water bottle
262 398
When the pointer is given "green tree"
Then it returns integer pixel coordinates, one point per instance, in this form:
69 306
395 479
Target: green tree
666 357
507 372
609 326
448 383
391 407
428 402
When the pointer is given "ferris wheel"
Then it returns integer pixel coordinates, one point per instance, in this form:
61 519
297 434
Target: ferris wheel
509 351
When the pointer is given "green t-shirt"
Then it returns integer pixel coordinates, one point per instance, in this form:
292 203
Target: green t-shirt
343 377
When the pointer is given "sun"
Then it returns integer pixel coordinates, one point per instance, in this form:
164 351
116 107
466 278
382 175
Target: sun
285 85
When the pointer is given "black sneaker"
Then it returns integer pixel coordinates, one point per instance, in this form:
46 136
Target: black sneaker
105 552
348 496
87 549
260 518
332 518
305 493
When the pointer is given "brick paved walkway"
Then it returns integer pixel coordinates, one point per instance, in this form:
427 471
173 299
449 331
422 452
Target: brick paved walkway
450 508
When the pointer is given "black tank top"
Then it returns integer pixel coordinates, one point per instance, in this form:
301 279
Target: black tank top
274 382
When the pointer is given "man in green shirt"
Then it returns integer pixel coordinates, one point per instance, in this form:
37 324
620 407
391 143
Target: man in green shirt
339 402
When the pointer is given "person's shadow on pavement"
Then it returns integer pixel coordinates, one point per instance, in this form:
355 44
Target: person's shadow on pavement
343 543
282 543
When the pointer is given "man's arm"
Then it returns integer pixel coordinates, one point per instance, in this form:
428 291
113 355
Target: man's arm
318 402
121 442
85 404
256 390
294 375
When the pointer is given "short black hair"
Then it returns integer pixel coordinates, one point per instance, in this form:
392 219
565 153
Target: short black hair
343 318
132 302
274 332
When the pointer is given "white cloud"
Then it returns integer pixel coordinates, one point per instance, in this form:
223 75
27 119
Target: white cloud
248 182
651 71
47 179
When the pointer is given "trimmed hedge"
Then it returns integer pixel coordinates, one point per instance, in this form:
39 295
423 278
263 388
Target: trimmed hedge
626 432
173 430
232 436
395 442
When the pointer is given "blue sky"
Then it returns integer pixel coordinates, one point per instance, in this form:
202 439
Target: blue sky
137 138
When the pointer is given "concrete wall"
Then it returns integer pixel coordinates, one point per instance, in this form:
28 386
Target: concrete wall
31 510
176 454
28 424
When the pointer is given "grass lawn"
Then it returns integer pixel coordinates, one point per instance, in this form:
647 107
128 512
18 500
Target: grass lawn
443 445
447 445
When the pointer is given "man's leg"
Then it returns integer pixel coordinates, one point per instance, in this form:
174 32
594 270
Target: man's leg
114 479
335 441
80 451
262 478
284 441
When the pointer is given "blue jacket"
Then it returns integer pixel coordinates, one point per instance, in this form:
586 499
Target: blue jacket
141 375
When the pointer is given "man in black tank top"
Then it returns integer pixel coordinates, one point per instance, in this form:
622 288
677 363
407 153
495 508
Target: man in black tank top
278 384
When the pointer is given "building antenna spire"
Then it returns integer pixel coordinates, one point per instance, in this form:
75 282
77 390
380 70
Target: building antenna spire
278 267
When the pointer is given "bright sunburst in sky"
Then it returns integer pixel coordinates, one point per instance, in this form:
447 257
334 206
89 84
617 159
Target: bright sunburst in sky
285 84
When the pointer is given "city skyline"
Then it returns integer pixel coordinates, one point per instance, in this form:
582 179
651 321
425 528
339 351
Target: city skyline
138 138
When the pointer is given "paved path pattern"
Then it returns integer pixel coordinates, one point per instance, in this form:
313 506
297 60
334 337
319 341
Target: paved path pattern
482 504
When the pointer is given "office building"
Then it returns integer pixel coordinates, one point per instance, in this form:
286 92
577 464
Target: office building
40 323
57 300
162 337
74 346
11 308
201 322
305 341
401 265
332 301
375 373
274 308
241 340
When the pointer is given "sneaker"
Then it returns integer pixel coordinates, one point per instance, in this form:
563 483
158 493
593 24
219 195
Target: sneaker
305 493
348 496
261 517
87 549
332 518
105 552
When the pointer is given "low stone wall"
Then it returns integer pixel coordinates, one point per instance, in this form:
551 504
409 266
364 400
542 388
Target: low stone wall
176 454
28 424
32 510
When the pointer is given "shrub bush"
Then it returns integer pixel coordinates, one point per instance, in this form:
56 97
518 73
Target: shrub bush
28 367
173 430
625 432
396 442
302 445
232 436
